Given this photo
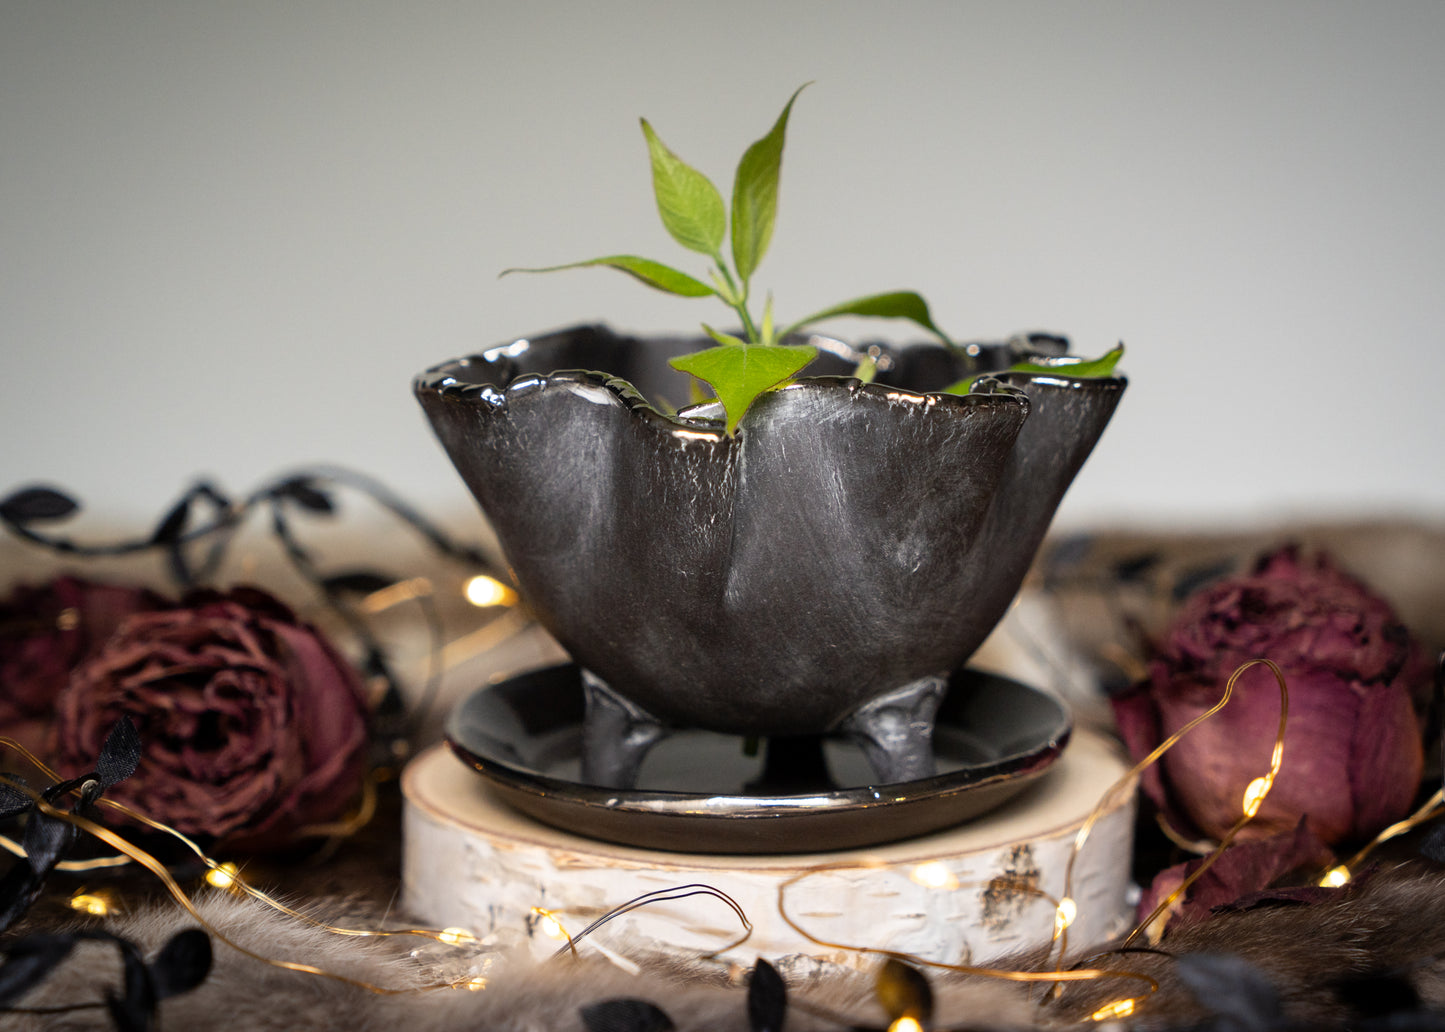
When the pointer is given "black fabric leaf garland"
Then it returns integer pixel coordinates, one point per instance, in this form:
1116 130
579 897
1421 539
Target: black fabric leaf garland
173 523
13 802
48 839
135 1010
182 964
28 962
1233 990
304 492
37 505
358 582
626 1014
903 992
767 998
120 755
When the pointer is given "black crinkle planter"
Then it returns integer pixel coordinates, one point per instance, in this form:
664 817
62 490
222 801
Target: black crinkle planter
821 571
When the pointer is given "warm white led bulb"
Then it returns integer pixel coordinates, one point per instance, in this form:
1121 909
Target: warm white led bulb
222 876
1117 1009
1255 793
1336 877
90 903
483 591
934 875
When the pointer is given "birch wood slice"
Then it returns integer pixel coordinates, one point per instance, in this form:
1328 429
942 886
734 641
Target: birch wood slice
977 891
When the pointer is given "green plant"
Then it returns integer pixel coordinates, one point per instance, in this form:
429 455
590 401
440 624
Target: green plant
739 369
1078 368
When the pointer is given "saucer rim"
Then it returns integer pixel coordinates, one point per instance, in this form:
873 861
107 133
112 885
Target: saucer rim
727 822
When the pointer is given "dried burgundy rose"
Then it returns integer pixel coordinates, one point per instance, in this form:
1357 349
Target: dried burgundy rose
1244 875
1352 754
45 632
251 725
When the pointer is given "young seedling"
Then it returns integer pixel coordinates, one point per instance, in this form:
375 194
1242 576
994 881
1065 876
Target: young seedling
1078 368
739 368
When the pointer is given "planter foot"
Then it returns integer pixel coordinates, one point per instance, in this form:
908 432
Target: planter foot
616 735
895 730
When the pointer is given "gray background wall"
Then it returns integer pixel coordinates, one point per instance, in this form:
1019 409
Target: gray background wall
230 233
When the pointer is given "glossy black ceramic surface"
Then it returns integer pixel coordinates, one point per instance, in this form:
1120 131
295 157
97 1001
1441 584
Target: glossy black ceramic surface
851 539
699 792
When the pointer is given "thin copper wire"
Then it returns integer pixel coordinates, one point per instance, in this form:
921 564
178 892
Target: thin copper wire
1057 977
15 848
571 946
158 869
98 863
395 594
1054 977
1430 808
340 828
1199 847
347 826
470 645
133 854
128 853
663 896
30 758
448 937
1275 762
1127 782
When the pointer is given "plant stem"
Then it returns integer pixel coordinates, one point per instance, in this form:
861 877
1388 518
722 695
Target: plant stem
741 304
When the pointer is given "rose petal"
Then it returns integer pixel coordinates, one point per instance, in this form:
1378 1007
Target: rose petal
1137 718
1387 761
1244 870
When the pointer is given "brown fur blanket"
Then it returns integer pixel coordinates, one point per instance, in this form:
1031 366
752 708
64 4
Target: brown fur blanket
1370 957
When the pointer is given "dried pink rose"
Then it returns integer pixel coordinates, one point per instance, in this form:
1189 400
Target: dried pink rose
1242 876
251 724
1352 754
45 631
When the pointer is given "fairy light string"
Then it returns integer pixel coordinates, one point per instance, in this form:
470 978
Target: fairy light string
487 592
1005 974
232 881
177 893
936 876
226 876
481 591
1429 810
1255 792
1065 907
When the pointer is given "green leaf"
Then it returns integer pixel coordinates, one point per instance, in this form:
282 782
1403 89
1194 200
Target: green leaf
755 195
1083 368
1078 368
690 206
740 374
723 289
904 992
724 338
654 274
898 304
